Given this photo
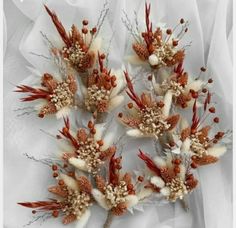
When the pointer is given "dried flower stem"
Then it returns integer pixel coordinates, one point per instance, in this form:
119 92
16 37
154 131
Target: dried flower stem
184 204
109 220
100 117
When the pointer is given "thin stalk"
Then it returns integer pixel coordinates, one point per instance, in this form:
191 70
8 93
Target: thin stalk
109 220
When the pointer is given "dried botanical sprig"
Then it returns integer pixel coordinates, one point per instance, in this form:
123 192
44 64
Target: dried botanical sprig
102 89
78 49
179 87
146 116
72 202
89 151
204 146
59 96
169 177
157 47
117 194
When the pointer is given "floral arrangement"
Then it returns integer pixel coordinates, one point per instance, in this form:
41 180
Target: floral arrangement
176 112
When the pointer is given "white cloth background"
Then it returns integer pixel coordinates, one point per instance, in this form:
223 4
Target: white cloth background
211 35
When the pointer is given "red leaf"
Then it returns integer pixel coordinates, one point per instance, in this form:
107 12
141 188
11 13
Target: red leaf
60 28
35 93
179 69
131 93
66 132
42 205
150 164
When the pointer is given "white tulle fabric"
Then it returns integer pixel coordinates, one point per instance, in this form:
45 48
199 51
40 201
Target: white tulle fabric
211 35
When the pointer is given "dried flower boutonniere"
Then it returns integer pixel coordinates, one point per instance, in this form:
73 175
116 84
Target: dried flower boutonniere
204 146
156 47
73 200
88 151
179 87
80 46
170 176
54 97
146 116
102 90
117 194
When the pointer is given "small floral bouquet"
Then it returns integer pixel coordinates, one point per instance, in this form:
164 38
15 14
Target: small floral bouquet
175 112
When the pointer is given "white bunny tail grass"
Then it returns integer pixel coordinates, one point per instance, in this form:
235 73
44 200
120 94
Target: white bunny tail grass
144 193
63 112
167 102
100 198
135 60
99 131
78 163
69 182
153 60
115 102
183 123
185 147
182 172
157 89
156 86
165 191
96 44
84 90
83 220
157 181
131 200
195 85
217 151
108 140
134 133
160 162
120 83
78 173
169 160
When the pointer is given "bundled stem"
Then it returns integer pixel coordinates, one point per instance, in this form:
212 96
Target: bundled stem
109 220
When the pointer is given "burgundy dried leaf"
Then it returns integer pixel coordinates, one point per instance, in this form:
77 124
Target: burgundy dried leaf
131 93
35 93
60 28
42 205
66 132
150 164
